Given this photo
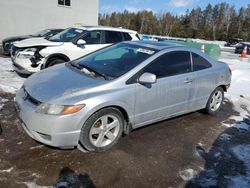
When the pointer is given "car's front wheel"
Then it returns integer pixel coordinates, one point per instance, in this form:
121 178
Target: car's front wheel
54 61
215 101
102 130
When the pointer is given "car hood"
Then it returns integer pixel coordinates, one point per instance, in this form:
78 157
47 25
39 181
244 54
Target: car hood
38 41
59 82
16 38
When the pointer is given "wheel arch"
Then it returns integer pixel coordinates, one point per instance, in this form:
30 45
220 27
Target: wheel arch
127 120
224 87
57 55
118 107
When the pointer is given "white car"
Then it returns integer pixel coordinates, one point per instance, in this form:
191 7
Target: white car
31 55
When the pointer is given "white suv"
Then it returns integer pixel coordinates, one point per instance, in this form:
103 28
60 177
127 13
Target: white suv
32 55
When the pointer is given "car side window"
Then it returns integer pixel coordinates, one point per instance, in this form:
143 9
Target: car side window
92 37
199 63
113 37
127 37
170 64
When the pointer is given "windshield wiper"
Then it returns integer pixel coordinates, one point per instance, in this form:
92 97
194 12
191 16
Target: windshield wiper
75 65
94 71
80 66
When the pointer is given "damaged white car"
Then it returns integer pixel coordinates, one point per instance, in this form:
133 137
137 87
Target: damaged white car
32 55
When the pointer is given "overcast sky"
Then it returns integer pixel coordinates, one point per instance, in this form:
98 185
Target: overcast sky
173 6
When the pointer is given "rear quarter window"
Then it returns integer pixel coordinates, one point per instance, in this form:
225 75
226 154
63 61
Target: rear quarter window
113 37
127 37
199 63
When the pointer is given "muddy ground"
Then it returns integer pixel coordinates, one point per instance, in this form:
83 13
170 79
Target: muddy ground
166 154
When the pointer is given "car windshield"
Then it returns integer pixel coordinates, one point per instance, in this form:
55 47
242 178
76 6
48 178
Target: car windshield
67 35
42 33
114 61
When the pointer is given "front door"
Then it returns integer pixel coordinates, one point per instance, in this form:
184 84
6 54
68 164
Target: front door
93 43
171 94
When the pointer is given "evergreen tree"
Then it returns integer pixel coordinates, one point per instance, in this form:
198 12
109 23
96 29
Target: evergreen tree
218 22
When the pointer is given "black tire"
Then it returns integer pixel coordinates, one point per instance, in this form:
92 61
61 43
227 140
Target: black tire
210 110
54 61
86 137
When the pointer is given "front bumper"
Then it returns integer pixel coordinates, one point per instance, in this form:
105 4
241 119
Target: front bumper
23 65
57 131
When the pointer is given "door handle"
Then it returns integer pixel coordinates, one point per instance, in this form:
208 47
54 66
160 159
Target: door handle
187 81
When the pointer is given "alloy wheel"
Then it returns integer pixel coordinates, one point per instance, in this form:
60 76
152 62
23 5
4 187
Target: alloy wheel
104 131
216 100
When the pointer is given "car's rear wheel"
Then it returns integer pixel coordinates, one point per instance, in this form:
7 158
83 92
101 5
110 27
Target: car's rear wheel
54 61
102 130
215 101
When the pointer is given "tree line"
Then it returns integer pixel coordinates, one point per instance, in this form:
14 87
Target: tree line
219 22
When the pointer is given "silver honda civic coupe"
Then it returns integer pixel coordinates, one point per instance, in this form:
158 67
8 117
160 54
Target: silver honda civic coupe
90 102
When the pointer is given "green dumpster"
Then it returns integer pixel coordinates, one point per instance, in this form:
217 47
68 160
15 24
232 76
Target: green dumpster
212 50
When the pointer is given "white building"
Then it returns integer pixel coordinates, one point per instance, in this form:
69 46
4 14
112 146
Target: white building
22 17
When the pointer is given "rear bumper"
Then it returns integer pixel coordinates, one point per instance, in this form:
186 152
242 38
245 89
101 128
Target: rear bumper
52 130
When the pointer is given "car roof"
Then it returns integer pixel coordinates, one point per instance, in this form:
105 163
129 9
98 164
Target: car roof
154 44
246 43
105 28
53 29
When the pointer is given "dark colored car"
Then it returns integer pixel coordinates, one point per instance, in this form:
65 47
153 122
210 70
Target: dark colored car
8 42
233 42
240 48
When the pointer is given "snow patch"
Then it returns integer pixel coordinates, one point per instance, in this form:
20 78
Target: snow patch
7 170
242 125
3 100
10 82
238 182
218 154
36 175
200 144
242 153
187 174
225 137
240 78
34 185
1 106
35 147
209 180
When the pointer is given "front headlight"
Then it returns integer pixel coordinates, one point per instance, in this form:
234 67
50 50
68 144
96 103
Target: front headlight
53 109
27 53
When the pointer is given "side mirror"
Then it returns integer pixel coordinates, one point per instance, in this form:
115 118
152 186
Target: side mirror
81 42
147 78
